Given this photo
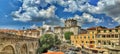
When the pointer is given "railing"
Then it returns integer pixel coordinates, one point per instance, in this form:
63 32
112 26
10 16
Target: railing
13 36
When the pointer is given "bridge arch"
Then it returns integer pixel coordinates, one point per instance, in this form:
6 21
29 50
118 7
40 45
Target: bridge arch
23 49
8 50
31 48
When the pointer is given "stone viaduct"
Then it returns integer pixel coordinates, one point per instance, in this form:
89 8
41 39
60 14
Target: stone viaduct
14 44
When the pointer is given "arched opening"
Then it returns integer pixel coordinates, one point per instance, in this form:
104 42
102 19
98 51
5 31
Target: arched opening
8 50
24 49
31 48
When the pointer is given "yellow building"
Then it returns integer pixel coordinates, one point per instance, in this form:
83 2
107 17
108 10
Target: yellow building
92 33
107 37
85 38
97 37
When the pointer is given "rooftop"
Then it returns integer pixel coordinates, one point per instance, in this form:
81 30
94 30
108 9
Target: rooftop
54 53
92 28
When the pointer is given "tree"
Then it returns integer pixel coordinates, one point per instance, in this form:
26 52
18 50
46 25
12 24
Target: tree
46 42
67 35
57 41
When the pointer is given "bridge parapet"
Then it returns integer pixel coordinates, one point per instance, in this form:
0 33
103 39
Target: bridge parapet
15 44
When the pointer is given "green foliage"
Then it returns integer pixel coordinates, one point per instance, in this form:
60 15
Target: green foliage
67 35
57 41
47 41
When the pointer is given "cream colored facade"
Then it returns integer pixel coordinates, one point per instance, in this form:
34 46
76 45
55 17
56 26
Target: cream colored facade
70 25
97 37
84 39
108 37
29 33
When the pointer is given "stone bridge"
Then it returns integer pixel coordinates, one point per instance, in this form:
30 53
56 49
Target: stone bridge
14 44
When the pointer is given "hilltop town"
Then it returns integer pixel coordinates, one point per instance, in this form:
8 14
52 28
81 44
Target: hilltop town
97 39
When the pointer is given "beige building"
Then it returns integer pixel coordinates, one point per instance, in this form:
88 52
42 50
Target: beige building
98 38
70 25
86 38
29 33
106 37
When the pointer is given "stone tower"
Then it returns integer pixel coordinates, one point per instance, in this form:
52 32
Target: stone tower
70 26
70 23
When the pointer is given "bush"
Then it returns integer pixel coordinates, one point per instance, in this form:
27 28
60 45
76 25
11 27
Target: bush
67 35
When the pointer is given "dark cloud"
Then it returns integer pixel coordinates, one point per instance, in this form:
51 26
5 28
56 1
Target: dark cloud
113 10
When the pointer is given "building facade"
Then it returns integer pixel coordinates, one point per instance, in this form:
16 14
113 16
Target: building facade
85 38
29 33
97 37
107 37
70 26
13 42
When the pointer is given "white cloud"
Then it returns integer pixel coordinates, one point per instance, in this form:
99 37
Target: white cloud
50 12
72 6
109 7
33 26
37 1
86 18
30 12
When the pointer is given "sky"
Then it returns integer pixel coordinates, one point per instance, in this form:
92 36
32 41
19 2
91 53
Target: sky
16 14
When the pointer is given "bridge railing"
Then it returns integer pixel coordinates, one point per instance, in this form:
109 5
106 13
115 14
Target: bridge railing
7 35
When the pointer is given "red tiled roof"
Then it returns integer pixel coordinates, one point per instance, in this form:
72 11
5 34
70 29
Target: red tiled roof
54 53
92 28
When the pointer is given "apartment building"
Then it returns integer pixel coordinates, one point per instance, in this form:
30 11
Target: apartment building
97 37
86 38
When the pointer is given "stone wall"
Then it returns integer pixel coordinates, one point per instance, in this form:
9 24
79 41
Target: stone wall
13 44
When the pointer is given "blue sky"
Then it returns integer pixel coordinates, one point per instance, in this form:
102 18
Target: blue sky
15 14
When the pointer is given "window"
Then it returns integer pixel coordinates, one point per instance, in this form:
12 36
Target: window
99 41
85 37
92 36
116 30
112 44
76 41
98 36
108 36
109 43
77 36
104 43
82 41
88 37
91 42
110 30
98 30
112 36
80 37
104 31
116 36
103 36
